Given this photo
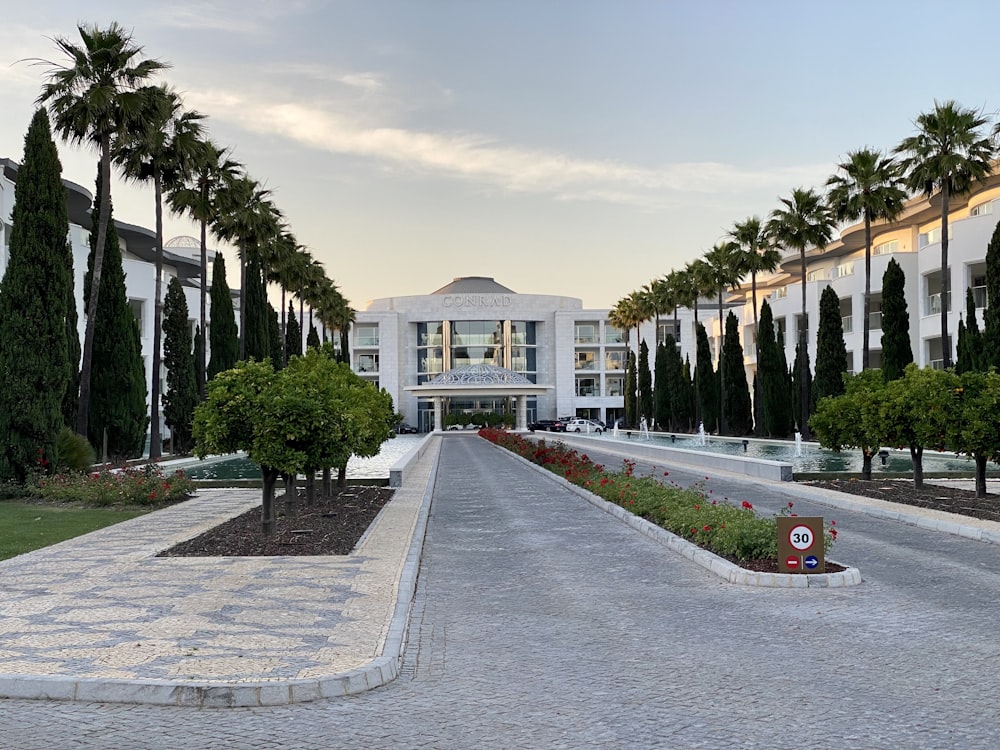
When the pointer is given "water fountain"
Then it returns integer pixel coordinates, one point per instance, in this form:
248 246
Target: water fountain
798 444
701 440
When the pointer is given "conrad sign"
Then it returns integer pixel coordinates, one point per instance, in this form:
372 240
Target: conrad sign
477 300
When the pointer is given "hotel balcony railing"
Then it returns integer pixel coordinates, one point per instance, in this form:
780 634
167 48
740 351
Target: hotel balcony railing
932 304
588 364
979 295
848 323
875 321
363 340
590 391
592 339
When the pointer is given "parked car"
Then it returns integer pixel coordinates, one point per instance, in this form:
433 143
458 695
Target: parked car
584 425
547 425
406 429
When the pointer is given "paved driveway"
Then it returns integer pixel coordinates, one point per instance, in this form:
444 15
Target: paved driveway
542 622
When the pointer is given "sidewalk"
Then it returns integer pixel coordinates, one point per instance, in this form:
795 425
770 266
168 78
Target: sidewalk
101 618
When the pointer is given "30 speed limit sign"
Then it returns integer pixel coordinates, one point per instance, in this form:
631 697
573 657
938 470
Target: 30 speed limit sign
800 544
801 537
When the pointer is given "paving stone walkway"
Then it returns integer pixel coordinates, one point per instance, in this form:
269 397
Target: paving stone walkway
540 621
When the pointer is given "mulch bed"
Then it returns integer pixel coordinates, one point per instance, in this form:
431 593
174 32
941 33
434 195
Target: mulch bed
933 496
332 526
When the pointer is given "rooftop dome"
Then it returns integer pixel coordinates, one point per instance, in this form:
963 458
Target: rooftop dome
183 240
474 285
480 375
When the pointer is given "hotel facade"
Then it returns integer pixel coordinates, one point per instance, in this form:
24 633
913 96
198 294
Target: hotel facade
568 359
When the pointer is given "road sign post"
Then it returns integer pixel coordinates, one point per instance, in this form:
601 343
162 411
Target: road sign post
800 544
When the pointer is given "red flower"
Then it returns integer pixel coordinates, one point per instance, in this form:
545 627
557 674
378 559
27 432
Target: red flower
706 528
666 473
747 506
789 505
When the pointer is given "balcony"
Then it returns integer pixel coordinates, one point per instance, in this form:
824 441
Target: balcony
847 321
932 304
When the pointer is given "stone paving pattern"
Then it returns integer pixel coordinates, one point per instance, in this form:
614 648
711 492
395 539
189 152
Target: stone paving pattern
542 622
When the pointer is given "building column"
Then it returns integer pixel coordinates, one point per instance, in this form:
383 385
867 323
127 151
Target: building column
437 414
521 409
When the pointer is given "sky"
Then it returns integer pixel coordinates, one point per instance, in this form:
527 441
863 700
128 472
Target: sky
569 147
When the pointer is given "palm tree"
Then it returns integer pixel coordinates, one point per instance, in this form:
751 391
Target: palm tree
867 188
724 266
804 222
246 218
281 266
162 151
759 256
93 99
948 154
198 197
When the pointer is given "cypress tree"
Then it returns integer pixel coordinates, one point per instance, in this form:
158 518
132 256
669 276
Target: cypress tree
293 334
181 394
831 351
896 350
631 406
34 361
277 354
312 340
772 376
801 369
676 388
257 339
991 324
661 389
737 407
705 381
118 379
224 338
645 379
71 400
689 394
970 341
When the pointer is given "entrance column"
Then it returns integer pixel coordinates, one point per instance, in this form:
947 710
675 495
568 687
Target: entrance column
437 414
522 412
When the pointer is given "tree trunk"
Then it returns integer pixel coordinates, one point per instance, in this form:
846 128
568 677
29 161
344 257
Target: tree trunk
757 429
980 476
723 426
269 478
83 408
341 477
202 364
866 465
243 303
945 345
155 439
866 335
327 482
917 457
290 494
804 344
310 487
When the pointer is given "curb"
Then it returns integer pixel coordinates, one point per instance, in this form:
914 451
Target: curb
721 567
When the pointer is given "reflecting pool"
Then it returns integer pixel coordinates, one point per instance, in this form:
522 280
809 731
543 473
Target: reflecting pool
241 467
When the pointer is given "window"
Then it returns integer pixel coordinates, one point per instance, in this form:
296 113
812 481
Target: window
886 248
585 361
613 335
367 363
817 275
614 360
616 385
430 333
844 269
366 334
137 306
585 333
587 387
982 209
932 236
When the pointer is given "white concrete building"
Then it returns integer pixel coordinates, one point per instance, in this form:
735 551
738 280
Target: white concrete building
181 258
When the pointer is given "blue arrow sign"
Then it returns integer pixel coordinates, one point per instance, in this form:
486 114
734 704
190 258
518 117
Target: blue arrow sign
811 561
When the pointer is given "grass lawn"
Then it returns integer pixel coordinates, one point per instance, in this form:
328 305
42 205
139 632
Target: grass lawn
25 527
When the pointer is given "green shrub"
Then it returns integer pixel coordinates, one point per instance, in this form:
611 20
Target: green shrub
72 452
133 486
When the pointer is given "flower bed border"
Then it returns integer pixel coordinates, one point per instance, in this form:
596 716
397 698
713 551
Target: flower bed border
723 568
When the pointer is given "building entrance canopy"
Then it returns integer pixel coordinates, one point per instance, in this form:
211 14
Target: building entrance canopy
480 380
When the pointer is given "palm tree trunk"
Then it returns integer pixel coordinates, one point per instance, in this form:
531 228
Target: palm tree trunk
723 427
243 302
284 340
203 296
803 361
757 430
155 441
83 405
697 388
945 344
866 335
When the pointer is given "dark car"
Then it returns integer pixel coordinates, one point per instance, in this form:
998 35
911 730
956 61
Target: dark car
547 425
405 429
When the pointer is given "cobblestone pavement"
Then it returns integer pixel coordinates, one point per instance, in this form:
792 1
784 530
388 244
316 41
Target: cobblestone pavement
541 622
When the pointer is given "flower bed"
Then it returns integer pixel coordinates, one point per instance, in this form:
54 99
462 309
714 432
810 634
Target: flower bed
144 485
734 532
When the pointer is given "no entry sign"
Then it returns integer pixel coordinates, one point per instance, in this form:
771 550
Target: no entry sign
800 544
